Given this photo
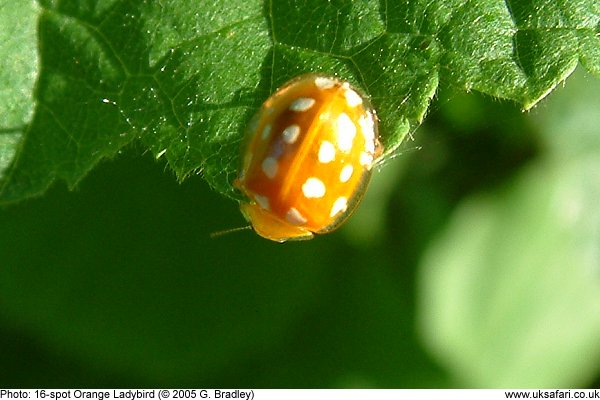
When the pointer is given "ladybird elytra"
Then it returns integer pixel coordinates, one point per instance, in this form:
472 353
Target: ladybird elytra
307 158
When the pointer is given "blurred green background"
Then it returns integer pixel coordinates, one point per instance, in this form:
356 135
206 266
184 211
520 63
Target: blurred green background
474 261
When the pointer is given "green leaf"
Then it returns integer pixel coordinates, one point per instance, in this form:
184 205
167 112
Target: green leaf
18 43
184 77
511 290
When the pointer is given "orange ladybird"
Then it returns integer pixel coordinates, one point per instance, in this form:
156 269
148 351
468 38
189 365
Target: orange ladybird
308 158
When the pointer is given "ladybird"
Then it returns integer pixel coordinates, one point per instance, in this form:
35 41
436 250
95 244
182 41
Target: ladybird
307 158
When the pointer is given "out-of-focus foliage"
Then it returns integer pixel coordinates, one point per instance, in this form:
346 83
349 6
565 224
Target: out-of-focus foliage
511 288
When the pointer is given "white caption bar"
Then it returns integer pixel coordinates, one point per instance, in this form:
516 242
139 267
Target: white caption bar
298 394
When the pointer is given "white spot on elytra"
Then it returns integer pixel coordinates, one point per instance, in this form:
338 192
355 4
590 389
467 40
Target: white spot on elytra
262 201
291 133
313 188
339 206
302 104
366 159
324 83
346 173
326 152
294 217
346 131
352 98
270 167
266 132
367 126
